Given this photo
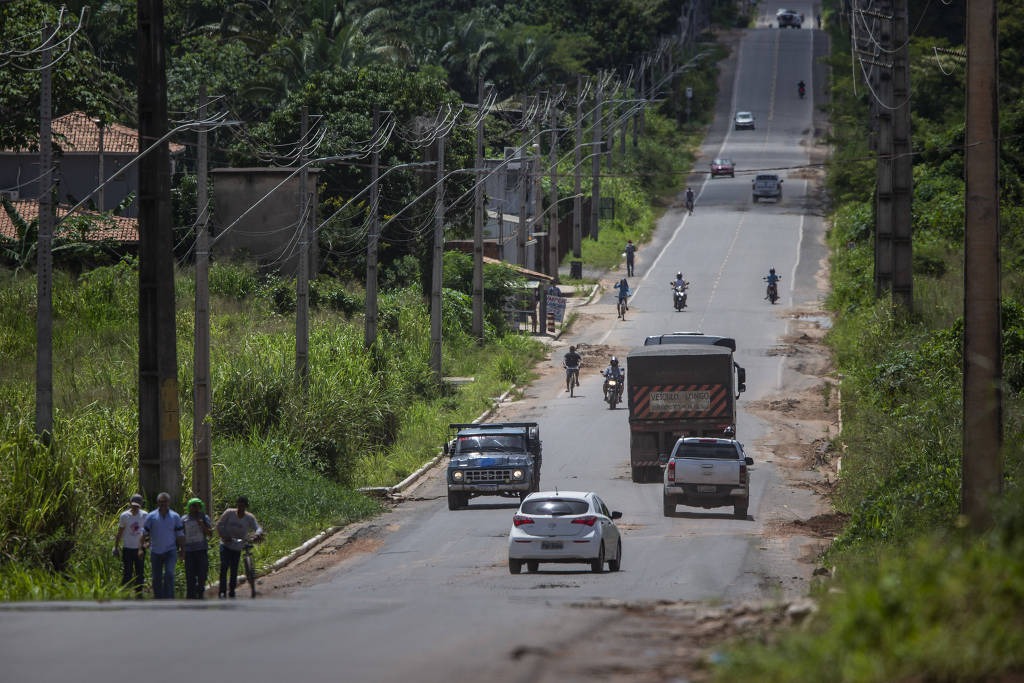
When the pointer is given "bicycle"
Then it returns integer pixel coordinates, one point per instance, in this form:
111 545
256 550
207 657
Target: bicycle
248 563
622 307
572 378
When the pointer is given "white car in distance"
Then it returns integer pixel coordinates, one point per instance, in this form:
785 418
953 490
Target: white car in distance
564 527
743 119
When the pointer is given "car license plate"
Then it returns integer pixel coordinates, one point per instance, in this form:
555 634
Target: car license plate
550 545
486 487
703 488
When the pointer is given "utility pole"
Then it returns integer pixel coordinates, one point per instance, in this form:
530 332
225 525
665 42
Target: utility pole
553 230
100 171
372 306
202 477
159 437
577 187
595 167
44 253
478 221
437 269
522 179
982 355
302 275
902 168
535 188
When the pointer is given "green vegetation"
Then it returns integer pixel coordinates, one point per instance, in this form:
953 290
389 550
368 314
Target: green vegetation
915 595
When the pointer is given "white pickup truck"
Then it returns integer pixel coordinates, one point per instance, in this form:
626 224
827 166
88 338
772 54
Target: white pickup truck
707 473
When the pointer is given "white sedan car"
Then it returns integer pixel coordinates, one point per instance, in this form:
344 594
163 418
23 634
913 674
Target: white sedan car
564 527
743 119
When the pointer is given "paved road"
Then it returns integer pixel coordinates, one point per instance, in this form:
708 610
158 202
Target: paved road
434 600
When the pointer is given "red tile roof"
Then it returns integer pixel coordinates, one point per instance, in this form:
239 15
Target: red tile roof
117 228
77 133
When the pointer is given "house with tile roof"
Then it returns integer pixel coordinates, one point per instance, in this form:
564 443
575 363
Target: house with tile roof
84 153
119 229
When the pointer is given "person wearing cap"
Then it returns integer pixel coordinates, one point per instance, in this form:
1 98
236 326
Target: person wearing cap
198 529
236 523
165 535
128 544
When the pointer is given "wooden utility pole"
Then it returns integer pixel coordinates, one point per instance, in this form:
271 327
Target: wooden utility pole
202 477
302 271
982 359
159 433
44 253
553 229
437 269
595 166
372 306
478 220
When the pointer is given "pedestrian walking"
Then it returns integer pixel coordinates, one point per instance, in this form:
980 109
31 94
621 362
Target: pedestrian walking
165 535
235 524
630 257
198 530
128 545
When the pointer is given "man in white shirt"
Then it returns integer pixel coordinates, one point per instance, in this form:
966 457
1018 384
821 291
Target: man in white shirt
128 544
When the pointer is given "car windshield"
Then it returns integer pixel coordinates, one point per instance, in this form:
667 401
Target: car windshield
556 507
711 450
476 443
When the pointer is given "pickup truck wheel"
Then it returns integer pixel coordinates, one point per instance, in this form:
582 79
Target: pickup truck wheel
515 566
532 566
456 500
597 564
739 510
616 564
668 506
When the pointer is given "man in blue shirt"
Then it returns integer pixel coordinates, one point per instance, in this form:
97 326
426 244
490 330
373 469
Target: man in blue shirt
165 535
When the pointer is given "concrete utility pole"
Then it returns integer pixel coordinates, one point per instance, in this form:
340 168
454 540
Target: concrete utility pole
478 220
302 275
553 230
595 167
535 187
983 369
375 194
902 168
159 436
100 171
202 477
437 269
577 188
522 180
44 252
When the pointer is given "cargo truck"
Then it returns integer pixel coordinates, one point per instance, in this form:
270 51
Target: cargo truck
678 390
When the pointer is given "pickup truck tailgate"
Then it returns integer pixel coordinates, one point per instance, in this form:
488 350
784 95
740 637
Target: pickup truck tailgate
700 471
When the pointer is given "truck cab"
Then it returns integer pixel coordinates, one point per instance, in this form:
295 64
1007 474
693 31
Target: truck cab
497 459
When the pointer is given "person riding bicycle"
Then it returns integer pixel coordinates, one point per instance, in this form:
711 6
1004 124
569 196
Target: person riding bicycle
772 279
571 363
689 199
623 287
613 371
235 524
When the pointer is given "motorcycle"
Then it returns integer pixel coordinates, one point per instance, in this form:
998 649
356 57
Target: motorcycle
613 392
772 293
802 90
679 295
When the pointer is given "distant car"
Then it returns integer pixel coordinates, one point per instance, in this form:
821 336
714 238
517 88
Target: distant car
723 166
789 17
744 119
767 185
564 527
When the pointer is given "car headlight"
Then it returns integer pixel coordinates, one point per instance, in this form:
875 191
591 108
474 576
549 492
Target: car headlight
517 474
458 475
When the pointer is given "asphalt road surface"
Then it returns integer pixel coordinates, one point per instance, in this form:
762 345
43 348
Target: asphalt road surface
431 598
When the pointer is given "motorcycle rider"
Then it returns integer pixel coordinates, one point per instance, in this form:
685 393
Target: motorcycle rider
613 371
571 361
801 88
689 199
679 285
772 279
